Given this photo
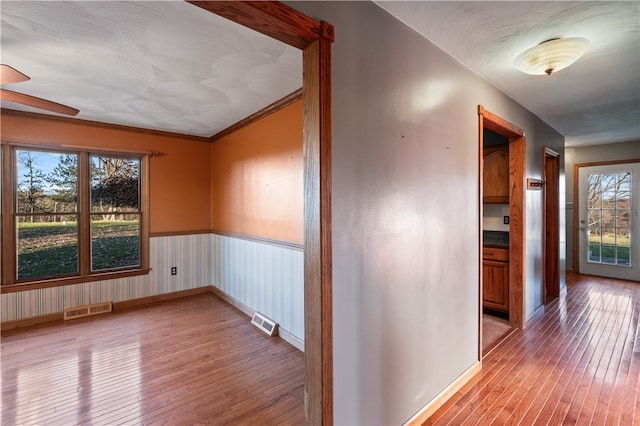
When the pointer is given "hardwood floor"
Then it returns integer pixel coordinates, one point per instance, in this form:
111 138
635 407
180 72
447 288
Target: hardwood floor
195 360
579 363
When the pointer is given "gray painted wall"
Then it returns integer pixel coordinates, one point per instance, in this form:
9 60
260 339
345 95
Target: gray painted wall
590 154
406 213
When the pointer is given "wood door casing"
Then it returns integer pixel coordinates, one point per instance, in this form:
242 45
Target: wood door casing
517 155
551 225
314 38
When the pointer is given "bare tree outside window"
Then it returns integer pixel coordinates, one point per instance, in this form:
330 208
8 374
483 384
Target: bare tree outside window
609 215
115 212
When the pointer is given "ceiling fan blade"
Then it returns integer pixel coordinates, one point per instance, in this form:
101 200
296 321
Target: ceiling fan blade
10 75
32 101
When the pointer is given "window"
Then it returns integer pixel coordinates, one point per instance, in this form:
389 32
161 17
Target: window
46 218
609 214
71 216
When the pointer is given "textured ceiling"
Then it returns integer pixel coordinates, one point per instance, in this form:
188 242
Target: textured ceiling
172 66
596 100
157 65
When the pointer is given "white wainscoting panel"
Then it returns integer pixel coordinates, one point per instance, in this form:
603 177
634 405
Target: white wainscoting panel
191 254
265 277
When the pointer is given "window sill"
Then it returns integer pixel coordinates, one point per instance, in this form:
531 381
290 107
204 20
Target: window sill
33 285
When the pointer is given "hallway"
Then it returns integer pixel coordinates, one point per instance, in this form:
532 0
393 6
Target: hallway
578 363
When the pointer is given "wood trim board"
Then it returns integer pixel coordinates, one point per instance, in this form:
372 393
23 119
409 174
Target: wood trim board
117 306
284 334
262 240
314 38
268 110
96 124
551 224
423 415
254 238
517 159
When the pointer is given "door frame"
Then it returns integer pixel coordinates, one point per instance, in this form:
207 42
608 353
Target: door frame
551 224
576 202
314 38
517 224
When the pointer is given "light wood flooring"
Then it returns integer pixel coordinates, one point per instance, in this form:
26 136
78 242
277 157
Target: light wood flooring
195 360
578 363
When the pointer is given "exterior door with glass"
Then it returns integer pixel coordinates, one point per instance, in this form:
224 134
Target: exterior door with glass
609 225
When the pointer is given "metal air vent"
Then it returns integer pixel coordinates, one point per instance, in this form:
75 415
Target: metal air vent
265 324
87 310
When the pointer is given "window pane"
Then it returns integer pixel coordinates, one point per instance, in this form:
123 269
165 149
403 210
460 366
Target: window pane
611 239
595 217
594 244
624 181
594 253
624 246
624 199
610 218
608 200
623 218
47 246
115 242
114 184
47 182
594 192
609 182
608 253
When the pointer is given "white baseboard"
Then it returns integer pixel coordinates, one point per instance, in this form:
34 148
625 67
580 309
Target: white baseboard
284 334
291 339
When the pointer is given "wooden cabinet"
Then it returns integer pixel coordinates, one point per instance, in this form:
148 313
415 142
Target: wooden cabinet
495 279
495 178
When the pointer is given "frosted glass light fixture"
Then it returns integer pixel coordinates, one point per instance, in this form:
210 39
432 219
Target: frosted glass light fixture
551 55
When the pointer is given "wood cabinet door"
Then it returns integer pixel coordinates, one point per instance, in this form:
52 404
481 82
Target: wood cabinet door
495 285
495 177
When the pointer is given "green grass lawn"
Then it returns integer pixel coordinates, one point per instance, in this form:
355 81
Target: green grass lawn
606 252
50 249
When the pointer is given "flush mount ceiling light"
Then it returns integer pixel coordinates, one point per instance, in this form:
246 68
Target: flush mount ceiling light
551 55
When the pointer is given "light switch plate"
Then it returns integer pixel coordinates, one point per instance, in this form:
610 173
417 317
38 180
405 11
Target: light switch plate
535 184
505 220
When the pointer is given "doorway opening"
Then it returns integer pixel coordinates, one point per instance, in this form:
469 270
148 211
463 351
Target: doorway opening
606 234
504 271
495 239
314 38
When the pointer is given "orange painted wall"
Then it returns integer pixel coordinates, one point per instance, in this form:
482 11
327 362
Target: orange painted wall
180 191
257 178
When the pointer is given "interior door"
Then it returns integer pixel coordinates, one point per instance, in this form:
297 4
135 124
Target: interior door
551 226
608 228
